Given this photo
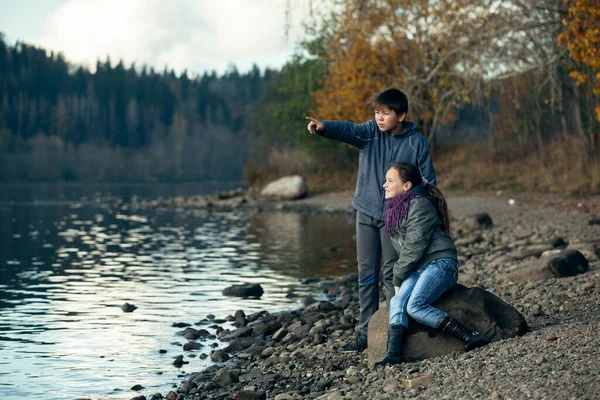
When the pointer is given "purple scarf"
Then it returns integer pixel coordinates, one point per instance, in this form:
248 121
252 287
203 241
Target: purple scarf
397 207
396 211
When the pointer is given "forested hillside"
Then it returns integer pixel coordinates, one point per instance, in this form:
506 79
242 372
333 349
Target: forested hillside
62 122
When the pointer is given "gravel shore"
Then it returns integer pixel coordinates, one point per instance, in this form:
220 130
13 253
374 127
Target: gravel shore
295 354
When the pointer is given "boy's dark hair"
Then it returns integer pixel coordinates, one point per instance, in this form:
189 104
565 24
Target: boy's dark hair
393 99
410 173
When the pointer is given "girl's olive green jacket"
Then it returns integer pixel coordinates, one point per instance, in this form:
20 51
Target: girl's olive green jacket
420 239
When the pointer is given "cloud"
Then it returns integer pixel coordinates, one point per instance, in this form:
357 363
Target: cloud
194 35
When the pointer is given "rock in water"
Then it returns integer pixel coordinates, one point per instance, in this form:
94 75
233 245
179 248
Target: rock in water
287 187
245 290
128 307
475 308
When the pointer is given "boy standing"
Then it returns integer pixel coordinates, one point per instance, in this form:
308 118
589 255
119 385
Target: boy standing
387 139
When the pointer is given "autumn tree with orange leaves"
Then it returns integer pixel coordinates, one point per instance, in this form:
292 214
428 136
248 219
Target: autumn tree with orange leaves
582 37
439 52
434 51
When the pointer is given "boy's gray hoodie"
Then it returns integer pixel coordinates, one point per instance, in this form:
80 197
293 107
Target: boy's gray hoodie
378 150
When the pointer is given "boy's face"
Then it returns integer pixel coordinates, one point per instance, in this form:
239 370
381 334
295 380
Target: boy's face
387 119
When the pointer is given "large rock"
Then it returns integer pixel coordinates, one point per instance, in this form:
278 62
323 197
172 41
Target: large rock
287 187
245 290
563 264
476 308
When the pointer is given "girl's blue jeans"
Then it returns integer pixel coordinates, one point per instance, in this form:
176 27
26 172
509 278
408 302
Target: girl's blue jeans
422 288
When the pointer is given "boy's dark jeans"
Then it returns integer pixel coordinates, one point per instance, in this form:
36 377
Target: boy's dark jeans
373 246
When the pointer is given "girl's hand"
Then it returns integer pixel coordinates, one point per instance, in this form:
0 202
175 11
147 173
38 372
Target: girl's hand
315 125
396 288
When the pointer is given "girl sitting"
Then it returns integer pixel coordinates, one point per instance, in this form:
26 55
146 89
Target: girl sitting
417 222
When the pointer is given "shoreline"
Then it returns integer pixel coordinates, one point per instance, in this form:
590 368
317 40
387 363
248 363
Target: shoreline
340 202
556 359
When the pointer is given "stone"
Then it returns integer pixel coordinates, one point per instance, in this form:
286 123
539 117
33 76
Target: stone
280 334
287 187
326 306
591 250
137 387
467 241
243 343
128 307
566 263
475 308
192 346
171 396
319 338
245 290
186 386
224 378
268 352
260 329
308 300
240 317
192 335
250 395
534 250
550 253
219 356
594 221
558 242
478 221
178 362
288 396
302 331
238 333
392 388
417 381
138 398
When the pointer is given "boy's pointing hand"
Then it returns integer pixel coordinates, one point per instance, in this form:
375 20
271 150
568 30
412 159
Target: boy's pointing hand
315 125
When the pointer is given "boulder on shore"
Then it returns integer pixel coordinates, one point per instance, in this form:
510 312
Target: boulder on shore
474 307
245 290
287 188
562 264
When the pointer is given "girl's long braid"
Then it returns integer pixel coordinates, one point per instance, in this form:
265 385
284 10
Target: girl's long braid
441 205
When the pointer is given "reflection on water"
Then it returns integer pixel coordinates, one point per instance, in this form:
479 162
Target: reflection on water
66 268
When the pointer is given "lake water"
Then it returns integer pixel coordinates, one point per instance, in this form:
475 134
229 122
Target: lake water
71 255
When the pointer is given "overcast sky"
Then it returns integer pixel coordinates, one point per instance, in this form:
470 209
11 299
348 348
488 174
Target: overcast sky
196 35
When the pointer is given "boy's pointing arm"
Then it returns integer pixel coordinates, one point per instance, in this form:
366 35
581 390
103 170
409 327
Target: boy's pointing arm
354 134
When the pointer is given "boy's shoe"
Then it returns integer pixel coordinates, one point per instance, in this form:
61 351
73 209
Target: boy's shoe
359 343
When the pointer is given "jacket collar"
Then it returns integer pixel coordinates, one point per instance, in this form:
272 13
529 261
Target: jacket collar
409 127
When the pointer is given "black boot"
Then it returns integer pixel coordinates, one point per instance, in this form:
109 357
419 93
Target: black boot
394 346
471 339
359 343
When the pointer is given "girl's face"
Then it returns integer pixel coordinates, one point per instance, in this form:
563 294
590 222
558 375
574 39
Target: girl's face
393 185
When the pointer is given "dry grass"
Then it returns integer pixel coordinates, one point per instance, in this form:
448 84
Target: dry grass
320 176
559 168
